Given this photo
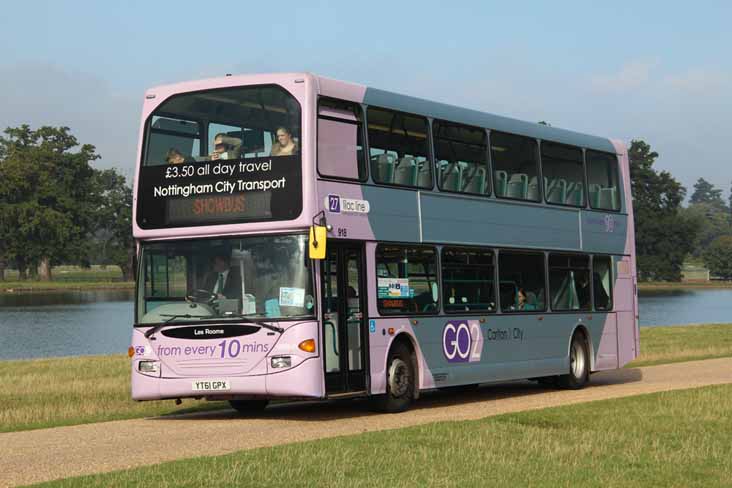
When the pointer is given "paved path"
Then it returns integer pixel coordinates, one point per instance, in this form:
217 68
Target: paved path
41 455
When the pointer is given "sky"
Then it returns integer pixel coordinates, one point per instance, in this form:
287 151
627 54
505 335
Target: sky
660 71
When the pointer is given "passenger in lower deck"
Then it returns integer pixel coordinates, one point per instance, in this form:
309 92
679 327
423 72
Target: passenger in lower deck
523 302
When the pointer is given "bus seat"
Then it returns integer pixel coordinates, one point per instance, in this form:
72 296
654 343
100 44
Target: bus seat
594 194
518 186
424 176
477 184
608 198
406 172
575 193
384 169
451 177
533 191
556 190
501 180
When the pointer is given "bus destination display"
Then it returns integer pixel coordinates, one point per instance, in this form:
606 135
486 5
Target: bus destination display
217 192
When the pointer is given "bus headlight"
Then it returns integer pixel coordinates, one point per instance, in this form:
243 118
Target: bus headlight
278 362
151 368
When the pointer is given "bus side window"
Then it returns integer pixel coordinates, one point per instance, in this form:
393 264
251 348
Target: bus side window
467 280
515 166
602 177
340 140
407 280
564 174
602 282
522 281
461 152
398 148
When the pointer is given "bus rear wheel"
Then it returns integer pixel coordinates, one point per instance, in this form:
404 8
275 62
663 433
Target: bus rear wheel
248 406
400 381
579 364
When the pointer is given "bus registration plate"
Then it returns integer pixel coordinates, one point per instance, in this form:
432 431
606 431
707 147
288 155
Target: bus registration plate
211 385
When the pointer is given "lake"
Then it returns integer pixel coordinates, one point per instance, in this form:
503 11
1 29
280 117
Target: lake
72 323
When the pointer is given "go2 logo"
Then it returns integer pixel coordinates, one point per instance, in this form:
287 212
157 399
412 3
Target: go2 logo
462 342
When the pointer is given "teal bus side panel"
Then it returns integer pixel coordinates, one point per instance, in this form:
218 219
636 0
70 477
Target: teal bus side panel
393 214
513 346
604 232
452 219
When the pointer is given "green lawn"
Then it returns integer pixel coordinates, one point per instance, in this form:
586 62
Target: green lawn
68 391
661 345
78 390
670 439
68 278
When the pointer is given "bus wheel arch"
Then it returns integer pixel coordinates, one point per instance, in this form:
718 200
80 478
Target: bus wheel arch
578 373
401 377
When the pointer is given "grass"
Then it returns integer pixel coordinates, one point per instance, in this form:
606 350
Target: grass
670 439
68 278
69 391
663 345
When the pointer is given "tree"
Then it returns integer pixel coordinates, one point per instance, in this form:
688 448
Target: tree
718 257
704 192
663 235
114 221
48 197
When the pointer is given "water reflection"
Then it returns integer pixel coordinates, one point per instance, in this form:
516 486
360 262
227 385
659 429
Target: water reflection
69 323
685 306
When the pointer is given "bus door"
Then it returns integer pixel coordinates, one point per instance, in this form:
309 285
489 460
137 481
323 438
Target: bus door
344 334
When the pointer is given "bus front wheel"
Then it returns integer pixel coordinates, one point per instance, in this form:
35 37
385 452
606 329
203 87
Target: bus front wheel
400 381
579 364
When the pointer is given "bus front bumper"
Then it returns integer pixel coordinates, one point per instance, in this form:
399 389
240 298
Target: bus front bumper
304 380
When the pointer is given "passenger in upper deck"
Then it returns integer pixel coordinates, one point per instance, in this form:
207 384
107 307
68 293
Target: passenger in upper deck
226 147
285 145
174 156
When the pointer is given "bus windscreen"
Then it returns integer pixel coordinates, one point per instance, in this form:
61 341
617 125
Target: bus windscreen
221 156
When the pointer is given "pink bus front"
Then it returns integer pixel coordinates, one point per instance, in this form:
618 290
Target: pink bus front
225 303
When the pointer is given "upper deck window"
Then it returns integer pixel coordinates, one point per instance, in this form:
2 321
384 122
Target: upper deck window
399 148
221 156
564 177
340 140
515 166
602 178
462 158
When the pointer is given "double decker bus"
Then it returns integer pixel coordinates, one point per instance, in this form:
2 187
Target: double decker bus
301 237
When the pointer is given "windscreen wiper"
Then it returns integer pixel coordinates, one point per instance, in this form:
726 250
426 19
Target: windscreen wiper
171 318
256 322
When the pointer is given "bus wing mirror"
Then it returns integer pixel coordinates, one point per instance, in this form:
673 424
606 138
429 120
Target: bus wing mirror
318 238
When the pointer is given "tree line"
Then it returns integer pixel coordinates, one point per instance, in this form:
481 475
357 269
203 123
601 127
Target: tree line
667 232
55 208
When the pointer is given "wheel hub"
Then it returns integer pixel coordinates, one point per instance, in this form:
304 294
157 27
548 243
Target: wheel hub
398 377
577 360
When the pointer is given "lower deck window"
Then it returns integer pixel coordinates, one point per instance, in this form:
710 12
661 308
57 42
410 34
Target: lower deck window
602 282
468 280
569 281
407 280
521 282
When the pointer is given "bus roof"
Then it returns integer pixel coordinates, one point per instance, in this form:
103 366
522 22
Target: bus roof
406 103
